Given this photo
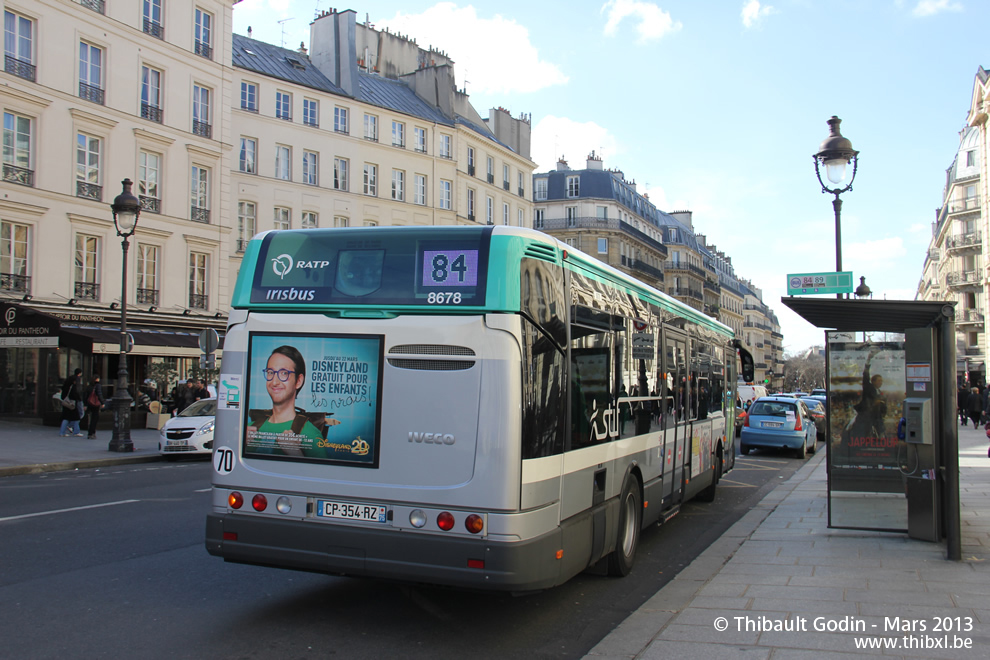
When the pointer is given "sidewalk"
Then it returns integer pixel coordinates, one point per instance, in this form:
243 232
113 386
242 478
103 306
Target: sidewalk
32 448
781 566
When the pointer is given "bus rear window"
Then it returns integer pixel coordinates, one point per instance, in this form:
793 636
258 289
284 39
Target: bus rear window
373 266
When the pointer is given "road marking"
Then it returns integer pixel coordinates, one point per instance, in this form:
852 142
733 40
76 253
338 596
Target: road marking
735 484
75 508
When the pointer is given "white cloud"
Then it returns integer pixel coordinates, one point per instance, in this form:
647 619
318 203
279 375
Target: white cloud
651 22
873 254
561 137
470 39
932 7
753 13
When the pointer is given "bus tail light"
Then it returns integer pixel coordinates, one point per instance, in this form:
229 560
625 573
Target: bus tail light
259 502
445 521
474 523
230 536
235 500
476 563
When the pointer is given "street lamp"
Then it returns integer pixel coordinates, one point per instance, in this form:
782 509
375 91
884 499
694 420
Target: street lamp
126 211
835 153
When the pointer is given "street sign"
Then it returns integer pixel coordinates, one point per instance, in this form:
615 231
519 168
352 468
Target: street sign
208 340
801 284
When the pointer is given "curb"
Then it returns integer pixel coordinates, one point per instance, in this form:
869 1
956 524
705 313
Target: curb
39 468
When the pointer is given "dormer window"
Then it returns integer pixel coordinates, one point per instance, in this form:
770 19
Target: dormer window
573 186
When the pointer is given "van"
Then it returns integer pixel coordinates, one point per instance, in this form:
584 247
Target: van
747 393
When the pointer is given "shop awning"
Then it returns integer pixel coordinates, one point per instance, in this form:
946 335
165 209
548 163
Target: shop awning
106 339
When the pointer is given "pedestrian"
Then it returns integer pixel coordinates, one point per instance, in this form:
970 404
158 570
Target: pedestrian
194 392
974 406
94 404
961 396
70 416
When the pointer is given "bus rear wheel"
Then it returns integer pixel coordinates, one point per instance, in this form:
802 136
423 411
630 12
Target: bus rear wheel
620 561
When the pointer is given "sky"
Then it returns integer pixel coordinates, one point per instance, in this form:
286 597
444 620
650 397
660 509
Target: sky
717 107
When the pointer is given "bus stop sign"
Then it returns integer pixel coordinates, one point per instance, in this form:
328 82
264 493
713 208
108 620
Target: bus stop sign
209 340
799 284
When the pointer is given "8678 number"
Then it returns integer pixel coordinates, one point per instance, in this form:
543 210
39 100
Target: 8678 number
441 298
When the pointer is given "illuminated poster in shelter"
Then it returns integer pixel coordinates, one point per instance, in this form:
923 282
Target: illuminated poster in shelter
314 398
866 397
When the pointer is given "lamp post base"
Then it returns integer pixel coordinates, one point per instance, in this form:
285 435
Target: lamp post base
120 441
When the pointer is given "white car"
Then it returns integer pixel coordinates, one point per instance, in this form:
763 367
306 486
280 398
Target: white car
190 432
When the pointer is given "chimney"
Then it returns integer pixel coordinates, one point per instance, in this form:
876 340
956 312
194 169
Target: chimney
250 32
594 162
302 48
332 48
562 165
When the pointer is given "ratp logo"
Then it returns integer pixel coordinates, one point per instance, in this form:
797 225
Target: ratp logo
281 265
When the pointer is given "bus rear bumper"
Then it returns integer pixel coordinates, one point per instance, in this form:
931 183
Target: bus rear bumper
386 553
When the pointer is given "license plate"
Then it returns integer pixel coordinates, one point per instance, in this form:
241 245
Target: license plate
177 443
772 425
350 511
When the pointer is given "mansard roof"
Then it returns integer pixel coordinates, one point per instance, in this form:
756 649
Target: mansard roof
281 63
396 95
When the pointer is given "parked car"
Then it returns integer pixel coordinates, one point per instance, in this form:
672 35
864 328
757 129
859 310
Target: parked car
818 392
190 432
817 410
779 422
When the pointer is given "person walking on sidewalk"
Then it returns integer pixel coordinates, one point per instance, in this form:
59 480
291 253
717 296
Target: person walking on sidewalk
94 404
974 406
71 416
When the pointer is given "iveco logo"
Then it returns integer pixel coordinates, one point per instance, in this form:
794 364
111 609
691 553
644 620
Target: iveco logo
431 438
281 265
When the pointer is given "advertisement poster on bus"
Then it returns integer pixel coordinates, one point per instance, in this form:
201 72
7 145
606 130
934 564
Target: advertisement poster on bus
314 398
866 382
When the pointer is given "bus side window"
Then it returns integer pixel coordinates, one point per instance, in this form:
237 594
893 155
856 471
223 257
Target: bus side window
592 368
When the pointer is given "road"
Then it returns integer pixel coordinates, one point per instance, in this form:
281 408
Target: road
111 563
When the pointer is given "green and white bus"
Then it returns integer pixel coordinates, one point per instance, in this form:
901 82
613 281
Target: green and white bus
481 407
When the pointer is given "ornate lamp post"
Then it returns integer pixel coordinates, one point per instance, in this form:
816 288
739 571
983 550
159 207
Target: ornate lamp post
126 211
835 153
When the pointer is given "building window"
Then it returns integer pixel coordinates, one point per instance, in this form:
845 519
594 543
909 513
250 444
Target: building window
18 46
199 286
17 149
491 170
14 267
602 246
204 34
419 136
470 161
151 94
445 196
470 203
149 172
538 215
147 275
199 198
505 214
309 168
283 157
247 224
283 218
573 186
152 14
398 134
86 269
540 189
371 127
570 212
371 180
339 221
90 72
519 217
88 183
249 97
201 112
283 105
249 154
398 185
970 158
445 146
522 188
310 220
340 166
490 216
311 112
419 190
602 212
505 177
340 120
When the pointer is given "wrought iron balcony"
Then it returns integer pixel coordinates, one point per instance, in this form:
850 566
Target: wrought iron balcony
505 185
550 225
202 129
151 112
242 244
150 204
642 267
19 68
964 241
713 286
147 297
204 50
87 291
963 278
15 283
965 204
20 175
89 190
198 301
522 192
685 292
683 265
197 214
491 178
91 93
470 170
99 6
154 28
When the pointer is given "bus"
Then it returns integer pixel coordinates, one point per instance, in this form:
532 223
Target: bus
477 407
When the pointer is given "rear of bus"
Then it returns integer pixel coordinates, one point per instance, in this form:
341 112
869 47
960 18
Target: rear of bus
401 458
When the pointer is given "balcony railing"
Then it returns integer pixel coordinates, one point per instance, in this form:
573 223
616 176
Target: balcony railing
972 239
197 214
685 292
933 254
612 224
505 185
641 266
242 244
970 316
204 50
20 175
683 265
89 190
15 283
153 28
491 178
147 297
713 286
87 291
96 5
963 278
965 204
19 68
91 93
198 301
470 170
150 204
151 112
202 129
522 192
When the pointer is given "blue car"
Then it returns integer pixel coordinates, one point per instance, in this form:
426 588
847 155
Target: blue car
776 422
